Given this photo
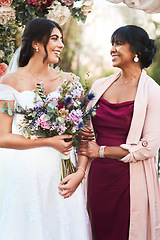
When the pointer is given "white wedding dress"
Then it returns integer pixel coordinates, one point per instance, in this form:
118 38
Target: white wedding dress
31 207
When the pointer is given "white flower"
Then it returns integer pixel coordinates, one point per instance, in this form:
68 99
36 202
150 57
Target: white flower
6 14
58 13
1 54
87 6
59 89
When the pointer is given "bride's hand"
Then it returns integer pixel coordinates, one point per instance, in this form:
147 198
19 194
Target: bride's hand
59 143
70 183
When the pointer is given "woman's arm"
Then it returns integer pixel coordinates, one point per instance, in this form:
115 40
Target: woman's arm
70 183
15 141
91 150
148 145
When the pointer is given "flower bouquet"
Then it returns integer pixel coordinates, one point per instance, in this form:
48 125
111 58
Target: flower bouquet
51 116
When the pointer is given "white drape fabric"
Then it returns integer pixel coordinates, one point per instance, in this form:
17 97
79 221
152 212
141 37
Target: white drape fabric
149 6
13 65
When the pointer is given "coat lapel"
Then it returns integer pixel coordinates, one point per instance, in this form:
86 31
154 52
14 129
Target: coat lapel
100 86
139 112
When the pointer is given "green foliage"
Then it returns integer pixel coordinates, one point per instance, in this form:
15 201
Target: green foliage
7 109
24 13
72 45
7 37
154 70
78 15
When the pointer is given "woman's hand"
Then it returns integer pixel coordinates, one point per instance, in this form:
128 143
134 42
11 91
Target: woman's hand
59 143
70 183
86 133
89 149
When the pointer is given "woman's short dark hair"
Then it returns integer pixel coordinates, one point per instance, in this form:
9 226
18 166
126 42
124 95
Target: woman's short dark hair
39 30
139 42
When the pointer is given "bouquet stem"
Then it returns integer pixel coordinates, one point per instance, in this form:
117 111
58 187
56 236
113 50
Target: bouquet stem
67 167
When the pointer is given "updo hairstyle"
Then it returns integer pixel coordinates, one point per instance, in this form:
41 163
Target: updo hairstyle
139 42
39 30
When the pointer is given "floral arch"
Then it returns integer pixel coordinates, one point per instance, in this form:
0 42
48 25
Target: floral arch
14 14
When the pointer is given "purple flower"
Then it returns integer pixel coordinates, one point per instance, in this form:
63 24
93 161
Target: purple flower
68 99
76 93
80 125
61 129
54 126
75 116
90 96
92 112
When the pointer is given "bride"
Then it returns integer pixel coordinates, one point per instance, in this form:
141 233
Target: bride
32 203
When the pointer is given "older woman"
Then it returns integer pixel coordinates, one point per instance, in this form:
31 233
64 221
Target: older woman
124 196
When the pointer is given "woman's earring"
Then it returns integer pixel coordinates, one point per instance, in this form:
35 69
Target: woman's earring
136 59
37 50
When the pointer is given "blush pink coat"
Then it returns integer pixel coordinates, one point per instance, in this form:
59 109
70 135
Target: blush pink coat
143 142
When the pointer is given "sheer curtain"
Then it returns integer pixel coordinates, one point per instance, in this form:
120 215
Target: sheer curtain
149 6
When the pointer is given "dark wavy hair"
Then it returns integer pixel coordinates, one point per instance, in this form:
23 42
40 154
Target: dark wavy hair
38 29
139 42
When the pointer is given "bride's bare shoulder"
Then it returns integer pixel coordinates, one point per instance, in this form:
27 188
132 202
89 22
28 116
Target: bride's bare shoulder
11 79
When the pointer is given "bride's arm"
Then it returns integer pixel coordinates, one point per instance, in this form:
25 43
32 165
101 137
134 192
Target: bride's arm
70 183
16 141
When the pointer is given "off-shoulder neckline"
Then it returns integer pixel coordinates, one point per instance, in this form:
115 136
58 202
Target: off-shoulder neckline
22 91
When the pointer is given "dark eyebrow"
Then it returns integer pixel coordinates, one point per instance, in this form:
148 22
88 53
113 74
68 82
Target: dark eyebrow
55 35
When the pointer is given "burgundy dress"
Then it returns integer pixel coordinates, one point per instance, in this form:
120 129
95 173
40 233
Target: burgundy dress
109 180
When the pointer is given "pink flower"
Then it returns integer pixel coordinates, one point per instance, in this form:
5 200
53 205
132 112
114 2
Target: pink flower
3 69
67 2
44 124
5 3
40 3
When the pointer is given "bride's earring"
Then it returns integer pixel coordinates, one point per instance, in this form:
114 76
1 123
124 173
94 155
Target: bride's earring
136 59
37 50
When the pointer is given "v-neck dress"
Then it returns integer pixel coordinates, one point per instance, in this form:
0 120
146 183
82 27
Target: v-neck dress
109 180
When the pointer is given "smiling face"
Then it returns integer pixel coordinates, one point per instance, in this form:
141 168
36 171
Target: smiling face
122 55
55 46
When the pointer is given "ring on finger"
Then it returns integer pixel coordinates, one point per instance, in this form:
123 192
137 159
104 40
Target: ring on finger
82 137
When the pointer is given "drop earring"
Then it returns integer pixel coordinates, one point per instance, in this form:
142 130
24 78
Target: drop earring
37 50
136 59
